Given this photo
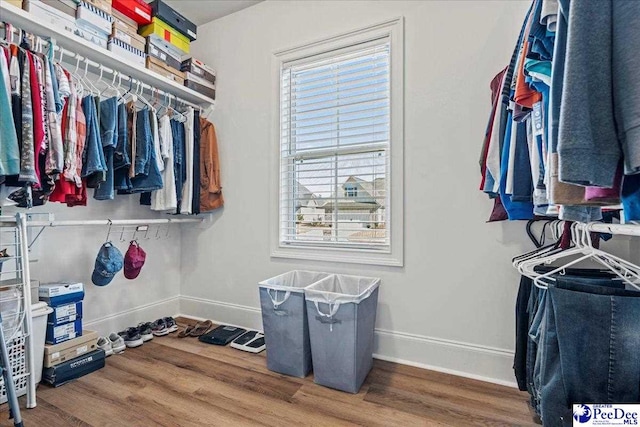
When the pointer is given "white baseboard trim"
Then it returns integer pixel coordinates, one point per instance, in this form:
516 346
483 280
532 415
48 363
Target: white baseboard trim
142 313
468 360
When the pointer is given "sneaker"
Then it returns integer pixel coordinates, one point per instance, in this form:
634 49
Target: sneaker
159 328
117 343
145 330
171 324
131 337
105 344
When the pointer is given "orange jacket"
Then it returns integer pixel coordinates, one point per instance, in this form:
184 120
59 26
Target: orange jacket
210 186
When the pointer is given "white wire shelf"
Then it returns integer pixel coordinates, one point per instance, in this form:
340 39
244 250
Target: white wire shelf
72 43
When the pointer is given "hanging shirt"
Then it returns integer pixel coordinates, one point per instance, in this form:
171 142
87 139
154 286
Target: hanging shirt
31 121
210 183
9 151
187 191
165 199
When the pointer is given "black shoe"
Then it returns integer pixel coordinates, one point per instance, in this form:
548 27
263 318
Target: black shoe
145 330
131 337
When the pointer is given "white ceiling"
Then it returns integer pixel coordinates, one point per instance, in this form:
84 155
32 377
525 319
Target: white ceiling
203 11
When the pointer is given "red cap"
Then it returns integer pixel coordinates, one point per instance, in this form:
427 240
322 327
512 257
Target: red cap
133 260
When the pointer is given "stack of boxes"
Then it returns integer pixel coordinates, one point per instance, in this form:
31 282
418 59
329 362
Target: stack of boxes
169 36
69 352
153 35
125 41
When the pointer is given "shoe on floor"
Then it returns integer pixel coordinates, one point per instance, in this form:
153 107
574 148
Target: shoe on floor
131 337
159 328
171 324
117 343
145 330
105 344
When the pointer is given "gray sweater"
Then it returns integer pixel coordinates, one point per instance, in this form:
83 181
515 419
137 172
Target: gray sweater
589 143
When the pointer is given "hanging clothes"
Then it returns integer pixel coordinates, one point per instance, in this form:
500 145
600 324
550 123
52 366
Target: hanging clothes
210 184
166 199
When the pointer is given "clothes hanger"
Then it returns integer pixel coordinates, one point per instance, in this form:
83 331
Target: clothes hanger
627 271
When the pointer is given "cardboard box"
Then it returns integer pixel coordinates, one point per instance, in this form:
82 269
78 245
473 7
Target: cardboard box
48 15
56 294
158 51
174 18
204 90
64 332
64 7
127 51
163 31
123 26
65 313
16 3
163 69
91 34
74 368
67 350
89 15
200 69
104 5
192 77
137 10
133 40
124 19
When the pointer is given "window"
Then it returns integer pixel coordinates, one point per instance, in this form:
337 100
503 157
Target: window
335 139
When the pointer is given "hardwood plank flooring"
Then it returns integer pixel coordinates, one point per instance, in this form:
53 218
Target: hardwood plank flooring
173 381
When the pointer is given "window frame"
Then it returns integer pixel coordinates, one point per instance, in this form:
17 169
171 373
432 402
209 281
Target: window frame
393 30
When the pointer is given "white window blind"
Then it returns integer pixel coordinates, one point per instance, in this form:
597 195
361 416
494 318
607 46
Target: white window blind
335 136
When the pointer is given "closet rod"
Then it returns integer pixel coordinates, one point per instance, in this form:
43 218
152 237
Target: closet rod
616 229
116 222
65 52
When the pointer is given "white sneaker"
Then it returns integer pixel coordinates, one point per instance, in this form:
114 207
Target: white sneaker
105 344
117 343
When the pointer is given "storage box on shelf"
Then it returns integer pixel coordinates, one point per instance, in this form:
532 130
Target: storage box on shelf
159 51
174 18
68 7
200 86
49 16
136 10
127 51
104 5
160 30
163 69
199 69
123 32
40 19
88 15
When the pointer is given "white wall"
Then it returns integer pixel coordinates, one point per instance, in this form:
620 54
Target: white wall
452 305
69 253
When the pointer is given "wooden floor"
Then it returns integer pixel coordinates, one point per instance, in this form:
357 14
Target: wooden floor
174 381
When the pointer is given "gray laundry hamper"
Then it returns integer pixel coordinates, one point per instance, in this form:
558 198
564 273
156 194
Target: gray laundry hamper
342 316
284 319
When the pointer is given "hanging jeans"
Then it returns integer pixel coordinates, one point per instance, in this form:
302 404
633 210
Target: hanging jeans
93 163
179 161
109 138
591 346
121 161
144 142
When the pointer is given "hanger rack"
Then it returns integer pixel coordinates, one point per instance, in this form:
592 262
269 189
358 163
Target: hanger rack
103 60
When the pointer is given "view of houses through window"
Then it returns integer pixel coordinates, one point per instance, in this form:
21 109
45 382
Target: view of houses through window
334 149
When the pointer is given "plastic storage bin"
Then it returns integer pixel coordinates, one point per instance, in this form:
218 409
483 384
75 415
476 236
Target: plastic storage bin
39 313
342 315
284 319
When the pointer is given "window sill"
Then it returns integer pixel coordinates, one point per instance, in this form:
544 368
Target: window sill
347 256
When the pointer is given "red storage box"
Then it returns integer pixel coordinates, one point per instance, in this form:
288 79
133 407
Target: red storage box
137 10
